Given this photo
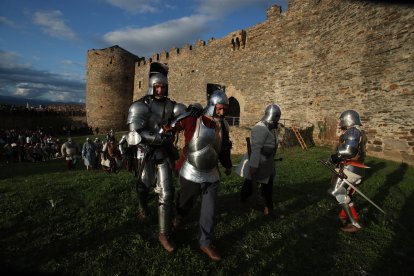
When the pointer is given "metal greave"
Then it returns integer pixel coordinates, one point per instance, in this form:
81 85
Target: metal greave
165 197
345 206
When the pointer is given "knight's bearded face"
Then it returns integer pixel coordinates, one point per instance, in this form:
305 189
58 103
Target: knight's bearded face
221 110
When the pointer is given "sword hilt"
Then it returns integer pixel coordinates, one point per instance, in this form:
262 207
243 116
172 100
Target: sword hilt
329 165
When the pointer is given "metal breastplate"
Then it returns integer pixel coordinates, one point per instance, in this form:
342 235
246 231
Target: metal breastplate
352 140
203 149
161 112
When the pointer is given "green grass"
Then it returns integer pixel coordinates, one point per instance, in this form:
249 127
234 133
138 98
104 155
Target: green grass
55 221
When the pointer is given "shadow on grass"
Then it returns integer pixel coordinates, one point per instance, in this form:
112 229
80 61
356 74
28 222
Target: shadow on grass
374 166
384 191
288 243
27 169
290 201
298 248
400 253
401 250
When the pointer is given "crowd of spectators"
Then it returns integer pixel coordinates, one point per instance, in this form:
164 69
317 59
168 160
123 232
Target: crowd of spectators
38 145
24 145
51 110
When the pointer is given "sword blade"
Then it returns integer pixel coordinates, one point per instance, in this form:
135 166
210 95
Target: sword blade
362 194
343 177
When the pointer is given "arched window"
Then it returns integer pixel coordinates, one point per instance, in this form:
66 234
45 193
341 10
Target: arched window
233 114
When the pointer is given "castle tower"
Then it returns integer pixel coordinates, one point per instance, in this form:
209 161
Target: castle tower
109 87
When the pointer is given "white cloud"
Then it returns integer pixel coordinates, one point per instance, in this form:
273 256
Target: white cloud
53 24
22 92
173 33
48 92
10 60
136 6
6 21
21 80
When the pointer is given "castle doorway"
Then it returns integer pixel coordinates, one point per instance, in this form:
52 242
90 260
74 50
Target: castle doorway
211 87
233 114
157 67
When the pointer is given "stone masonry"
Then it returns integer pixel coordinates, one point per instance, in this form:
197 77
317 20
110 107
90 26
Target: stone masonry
315 60
109 86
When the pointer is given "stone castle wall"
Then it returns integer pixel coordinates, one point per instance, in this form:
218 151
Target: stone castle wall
315 60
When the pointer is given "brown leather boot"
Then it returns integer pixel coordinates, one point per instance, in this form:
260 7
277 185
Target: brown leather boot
212 252
166 242
351 228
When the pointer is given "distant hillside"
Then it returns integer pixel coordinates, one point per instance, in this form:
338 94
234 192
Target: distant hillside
23 101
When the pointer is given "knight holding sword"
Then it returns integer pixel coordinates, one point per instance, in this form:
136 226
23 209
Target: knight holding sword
349 168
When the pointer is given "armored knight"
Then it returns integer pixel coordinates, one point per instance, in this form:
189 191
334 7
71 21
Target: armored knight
349 159
258 164
206 143
155 152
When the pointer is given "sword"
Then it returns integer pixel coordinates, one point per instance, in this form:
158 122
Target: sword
343 177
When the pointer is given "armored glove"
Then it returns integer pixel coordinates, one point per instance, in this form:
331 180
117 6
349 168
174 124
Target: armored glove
196 109
335 159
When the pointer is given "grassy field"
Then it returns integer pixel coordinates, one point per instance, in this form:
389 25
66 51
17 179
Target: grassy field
55 221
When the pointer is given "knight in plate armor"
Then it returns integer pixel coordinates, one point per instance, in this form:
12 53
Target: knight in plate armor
258 164
207 143
349 159
155 152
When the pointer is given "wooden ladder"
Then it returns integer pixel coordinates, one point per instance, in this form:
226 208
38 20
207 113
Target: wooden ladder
299 137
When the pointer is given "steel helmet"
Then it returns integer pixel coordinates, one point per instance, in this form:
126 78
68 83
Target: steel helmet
349 118
272 114
217 97
157 78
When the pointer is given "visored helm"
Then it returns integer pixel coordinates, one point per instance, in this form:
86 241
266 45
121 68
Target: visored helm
138 115
217 97
272 115
159 79
349 118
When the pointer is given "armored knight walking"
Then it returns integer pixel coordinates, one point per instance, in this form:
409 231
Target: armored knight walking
349 160
258 164
206 143
155 152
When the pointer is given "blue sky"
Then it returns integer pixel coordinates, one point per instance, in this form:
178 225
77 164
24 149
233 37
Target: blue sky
43 43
